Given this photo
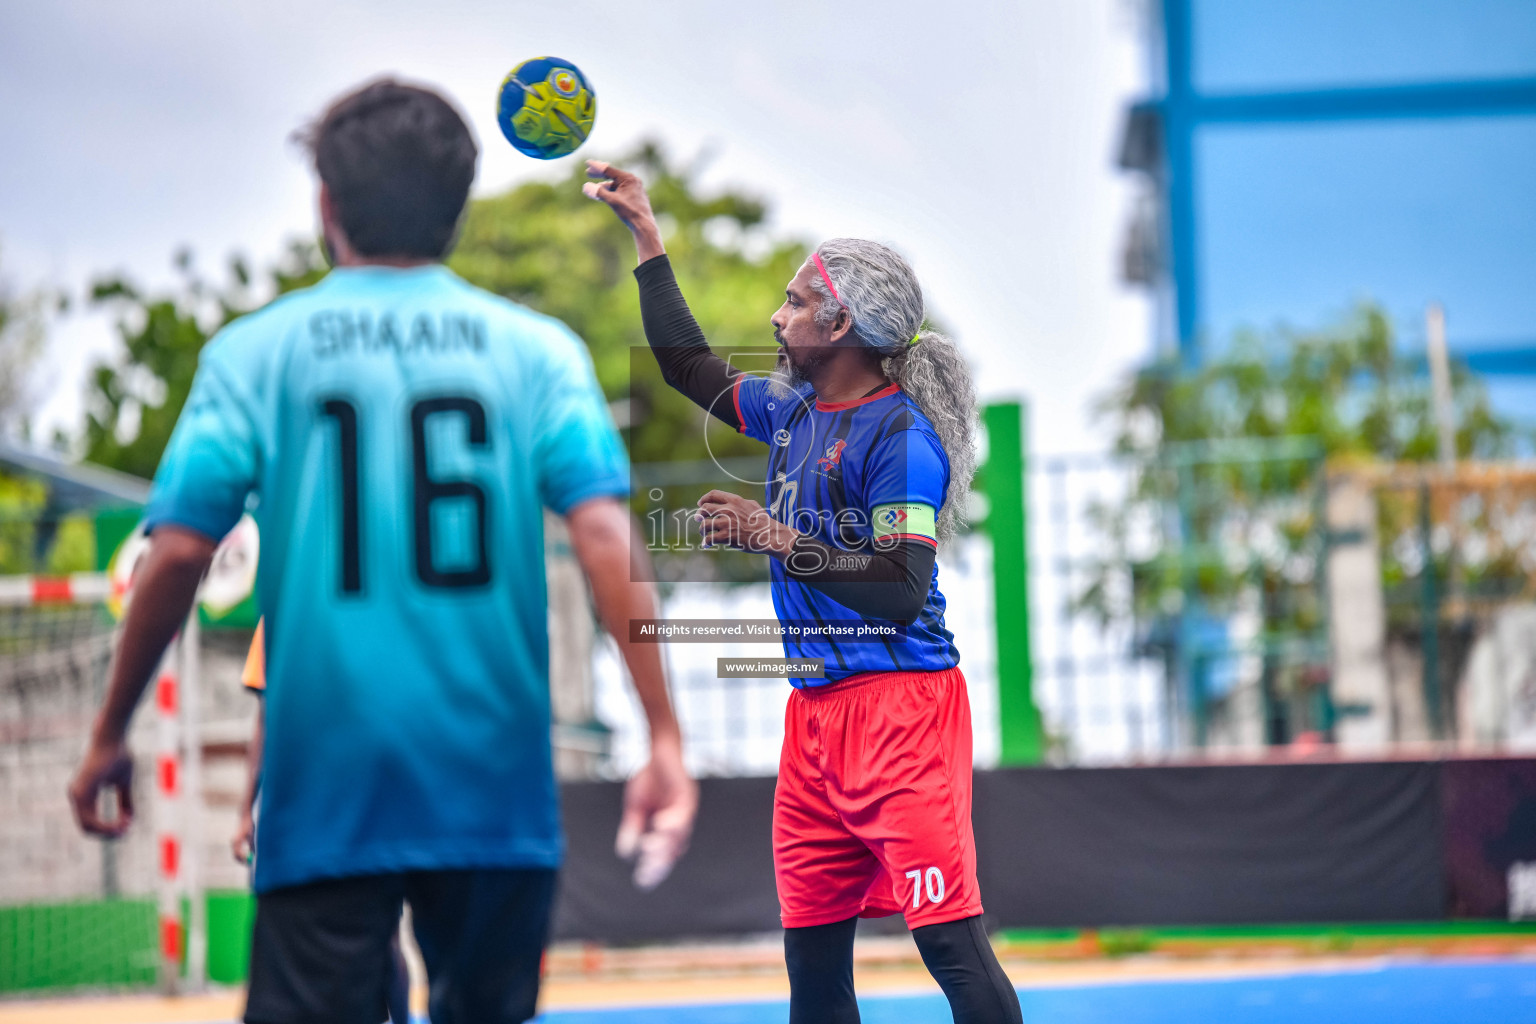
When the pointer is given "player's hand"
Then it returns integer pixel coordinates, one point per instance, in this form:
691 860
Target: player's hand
660 802
729 520
245 833
107 767
624 193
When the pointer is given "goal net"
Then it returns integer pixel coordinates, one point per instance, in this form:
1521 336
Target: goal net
76 911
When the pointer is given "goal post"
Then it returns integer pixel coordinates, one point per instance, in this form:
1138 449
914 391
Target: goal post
77 908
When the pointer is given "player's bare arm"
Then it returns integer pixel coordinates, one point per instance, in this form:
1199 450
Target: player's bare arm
661 800
164 590
625 195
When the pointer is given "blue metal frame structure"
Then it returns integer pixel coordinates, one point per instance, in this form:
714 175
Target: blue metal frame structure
1183 110
1160 141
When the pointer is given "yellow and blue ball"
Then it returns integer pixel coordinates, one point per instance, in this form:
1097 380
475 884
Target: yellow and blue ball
546 107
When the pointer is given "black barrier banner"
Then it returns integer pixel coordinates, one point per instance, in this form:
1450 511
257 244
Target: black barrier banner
722 886
1489 808
1228 844
1091 847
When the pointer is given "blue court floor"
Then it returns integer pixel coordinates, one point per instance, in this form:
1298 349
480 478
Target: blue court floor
1502 992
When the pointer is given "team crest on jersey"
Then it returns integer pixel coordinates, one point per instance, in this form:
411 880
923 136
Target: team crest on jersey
833 455
781 438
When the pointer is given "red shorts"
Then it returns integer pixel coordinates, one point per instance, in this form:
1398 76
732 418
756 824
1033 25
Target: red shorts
872 813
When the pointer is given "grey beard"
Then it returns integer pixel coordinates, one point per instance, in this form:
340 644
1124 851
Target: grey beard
784 379
794 377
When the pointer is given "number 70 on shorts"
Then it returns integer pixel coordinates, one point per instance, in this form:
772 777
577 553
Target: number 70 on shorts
928 883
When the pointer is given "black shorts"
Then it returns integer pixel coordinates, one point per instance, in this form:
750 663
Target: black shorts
319 952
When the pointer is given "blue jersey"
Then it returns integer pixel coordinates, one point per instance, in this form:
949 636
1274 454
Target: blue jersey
851 474
399 433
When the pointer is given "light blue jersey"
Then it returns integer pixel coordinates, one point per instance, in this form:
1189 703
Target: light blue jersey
399 432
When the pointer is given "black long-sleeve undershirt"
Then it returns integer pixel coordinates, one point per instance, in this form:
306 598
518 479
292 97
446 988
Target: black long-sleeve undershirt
890 583
683 353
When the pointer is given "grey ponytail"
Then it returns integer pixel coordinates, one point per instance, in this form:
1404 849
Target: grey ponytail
881 294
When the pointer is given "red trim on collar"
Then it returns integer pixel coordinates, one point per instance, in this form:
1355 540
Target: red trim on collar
885 392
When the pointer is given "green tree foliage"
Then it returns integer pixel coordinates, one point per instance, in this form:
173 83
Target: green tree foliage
132 402
1346 387
23 501
1221 518
22 334
67 544
1225 465
542 244
551 248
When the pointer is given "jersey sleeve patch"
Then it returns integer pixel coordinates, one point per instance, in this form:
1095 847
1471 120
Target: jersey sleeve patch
905 521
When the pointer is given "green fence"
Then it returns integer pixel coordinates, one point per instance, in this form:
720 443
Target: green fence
111 943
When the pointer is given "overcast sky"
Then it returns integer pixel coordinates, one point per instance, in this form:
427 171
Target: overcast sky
978 139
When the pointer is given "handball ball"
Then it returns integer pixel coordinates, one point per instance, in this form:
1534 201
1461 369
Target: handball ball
546 108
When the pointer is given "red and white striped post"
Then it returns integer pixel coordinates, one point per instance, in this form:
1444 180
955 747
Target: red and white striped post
192 825
79 588
178 803
178 814
169 845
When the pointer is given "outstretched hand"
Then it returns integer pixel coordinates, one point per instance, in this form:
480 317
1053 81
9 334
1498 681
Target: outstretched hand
624 194
243 843
106 768
660 802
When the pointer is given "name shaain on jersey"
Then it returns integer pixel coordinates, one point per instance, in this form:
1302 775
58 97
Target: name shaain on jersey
337 332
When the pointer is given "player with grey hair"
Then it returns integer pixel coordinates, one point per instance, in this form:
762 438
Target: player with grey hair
880 293
870 431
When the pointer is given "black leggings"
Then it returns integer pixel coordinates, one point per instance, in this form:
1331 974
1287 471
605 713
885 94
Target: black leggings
957 954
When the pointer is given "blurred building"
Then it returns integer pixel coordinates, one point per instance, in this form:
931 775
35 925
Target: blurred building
1300 156
1297 158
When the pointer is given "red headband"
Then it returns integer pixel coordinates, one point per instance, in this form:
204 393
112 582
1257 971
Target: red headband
816 258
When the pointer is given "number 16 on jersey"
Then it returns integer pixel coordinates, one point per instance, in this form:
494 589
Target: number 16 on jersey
425 488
